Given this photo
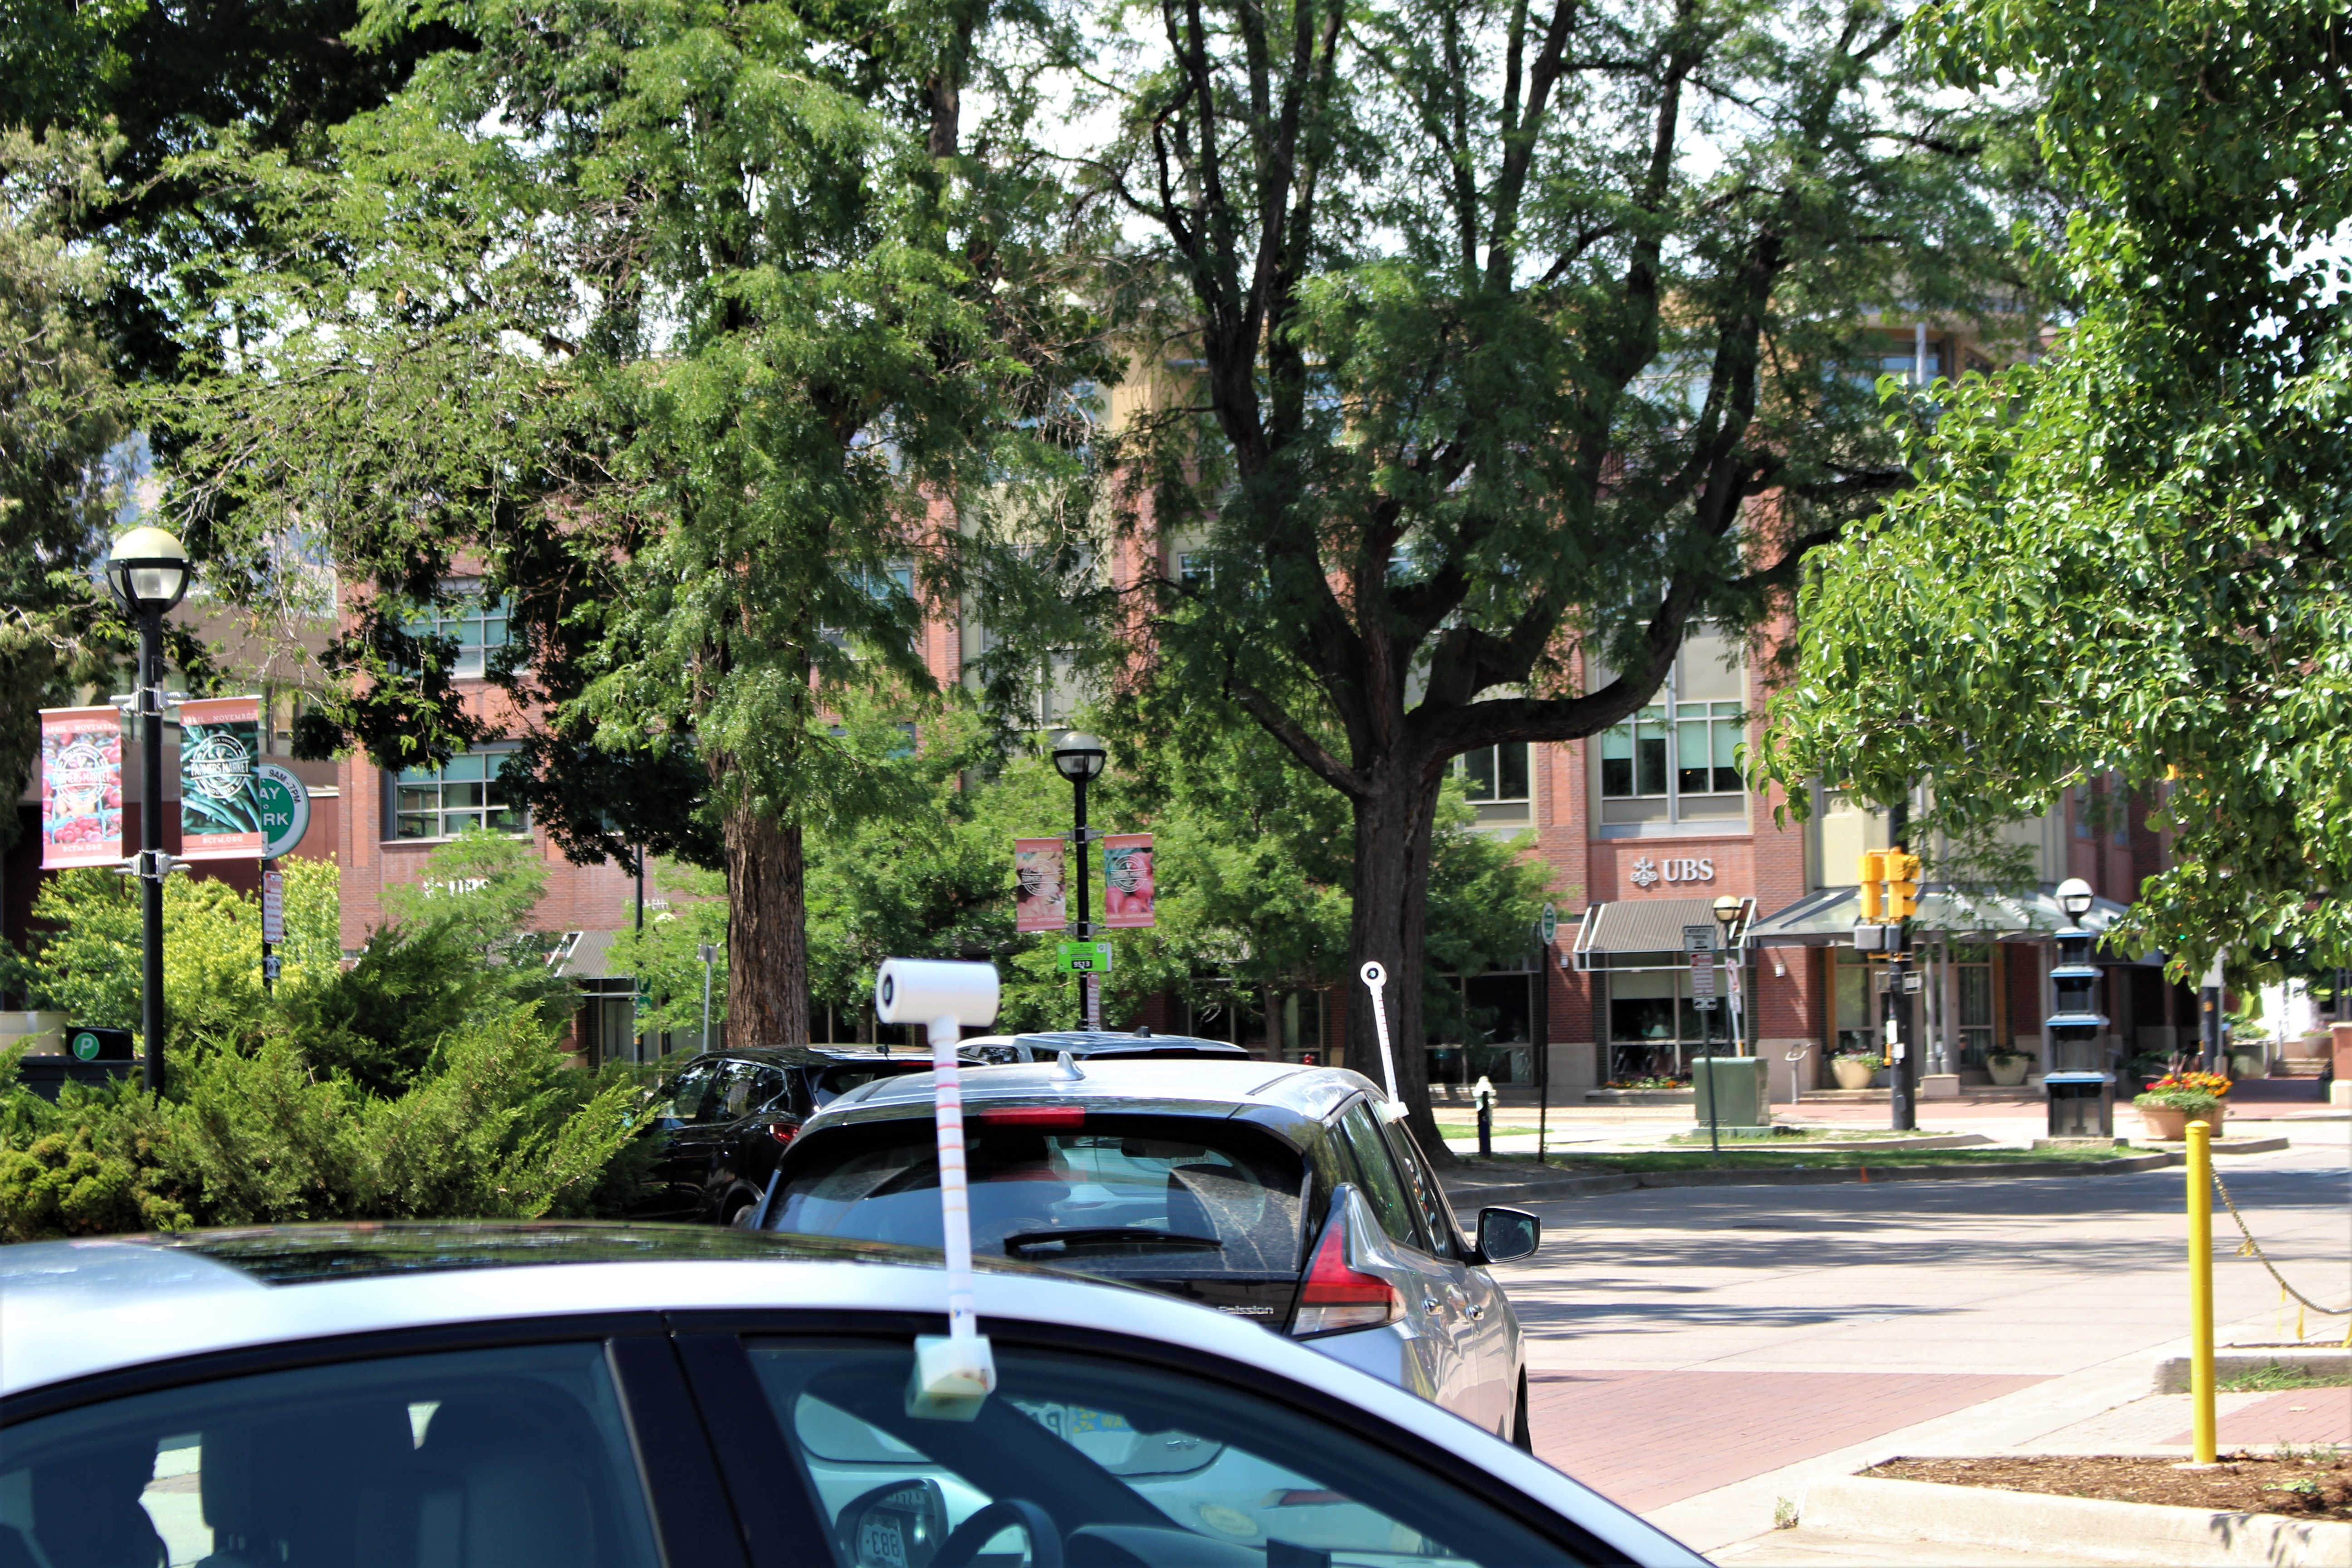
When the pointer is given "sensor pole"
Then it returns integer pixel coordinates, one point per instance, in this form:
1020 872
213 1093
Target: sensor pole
1376 976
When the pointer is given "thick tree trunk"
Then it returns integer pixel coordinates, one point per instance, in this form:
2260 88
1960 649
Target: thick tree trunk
1394 824
767 934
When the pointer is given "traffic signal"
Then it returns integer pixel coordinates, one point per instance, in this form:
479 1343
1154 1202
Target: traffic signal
1874 873
1902 885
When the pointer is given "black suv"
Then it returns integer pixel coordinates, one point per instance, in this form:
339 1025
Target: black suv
724 1118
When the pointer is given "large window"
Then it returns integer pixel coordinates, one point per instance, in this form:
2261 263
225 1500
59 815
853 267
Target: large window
477 625
1677 760
1654 1024
441 803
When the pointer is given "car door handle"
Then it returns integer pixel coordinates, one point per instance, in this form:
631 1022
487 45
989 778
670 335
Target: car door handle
1476 1313
1429 1303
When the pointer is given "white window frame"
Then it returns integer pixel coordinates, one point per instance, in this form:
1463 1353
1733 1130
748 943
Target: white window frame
395 782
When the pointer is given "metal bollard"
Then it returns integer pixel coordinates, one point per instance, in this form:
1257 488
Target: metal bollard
2201 1289
1485 1127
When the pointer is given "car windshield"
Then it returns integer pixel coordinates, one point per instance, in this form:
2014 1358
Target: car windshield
1148 1195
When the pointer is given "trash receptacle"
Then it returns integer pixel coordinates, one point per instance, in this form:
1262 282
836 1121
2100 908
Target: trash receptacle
1737 1086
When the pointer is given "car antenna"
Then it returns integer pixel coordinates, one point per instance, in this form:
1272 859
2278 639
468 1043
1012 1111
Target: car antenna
1377 977
1067 1069
954 1373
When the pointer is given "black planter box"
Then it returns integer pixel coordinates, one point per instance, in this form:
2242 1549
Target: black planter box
45 1074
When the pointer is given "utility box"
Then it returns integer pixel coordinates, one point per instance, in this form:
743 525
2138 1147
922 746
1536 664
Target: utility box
1737 1085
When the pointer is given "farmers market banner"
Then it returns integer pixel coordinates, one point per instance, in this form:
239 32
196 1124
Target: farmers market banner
1128 889
81 786
220 812
1039 903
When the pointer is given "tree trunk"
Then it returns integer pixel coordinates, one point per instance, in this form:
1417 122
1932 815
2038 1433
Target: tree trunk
767 934
1394 825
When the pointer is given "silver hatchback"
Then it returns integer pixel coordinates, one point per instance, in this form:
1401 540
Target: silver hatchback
1280 1194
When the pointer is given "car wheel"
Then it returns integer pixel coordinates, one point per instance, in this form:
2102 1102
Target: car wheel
1522 1435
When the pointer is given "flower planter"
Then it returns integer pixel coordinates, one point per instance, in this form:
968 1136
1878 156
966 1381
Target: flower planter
1852 1074
2161 1124
2008 1071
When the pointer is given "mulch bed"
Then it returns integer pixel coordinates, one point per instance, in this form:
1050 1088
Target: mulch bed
2242 1483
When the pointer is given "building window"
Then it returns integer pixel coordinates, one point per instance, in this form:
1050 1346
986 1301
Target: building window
1654 1026
1196 568
441 803
1497 773
1972 976
1676 760
477 626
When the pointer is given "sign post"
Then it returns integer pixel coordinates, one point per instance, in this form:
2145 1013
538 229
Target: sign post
1699 942
1546 931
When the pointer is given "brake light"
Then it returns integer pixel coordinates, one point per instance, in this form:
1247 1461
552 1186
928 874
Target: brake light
1335 1297
1034 1116
784 1132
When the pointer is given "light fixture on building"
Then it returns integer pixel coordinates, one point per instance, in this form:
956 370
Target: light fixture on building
2074 897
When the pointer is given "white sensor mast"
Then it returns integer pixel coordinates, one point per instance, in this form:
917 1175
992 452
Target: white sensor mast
1377 976
955 1373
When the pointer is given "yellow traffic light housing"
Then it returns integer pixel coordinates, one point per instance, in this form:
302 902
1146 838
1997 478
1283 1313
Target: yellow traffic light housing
1874 873
1902 885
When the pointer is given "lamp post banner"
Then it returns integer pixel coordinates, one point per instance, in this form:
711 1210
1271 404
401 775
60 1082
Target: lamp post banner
81 787
1040 891
1129 889
220 814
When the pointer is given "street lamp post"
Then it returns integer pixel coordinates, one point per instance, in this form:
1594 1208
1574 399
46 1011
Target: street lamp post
2081 1090
1079 758
1727 915
148 573
708 953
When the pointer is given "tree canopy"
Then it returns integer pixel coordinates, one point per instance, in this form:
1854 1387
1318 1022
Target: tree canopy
2133 560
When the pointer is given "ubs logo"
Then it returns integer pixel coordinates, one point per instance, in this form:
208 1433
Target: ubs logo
1647 873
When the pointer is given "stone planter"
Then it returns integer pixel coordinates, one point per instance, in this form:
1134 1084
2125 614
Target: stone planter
2161 1124
2008 1072
2247 1064
1852 1074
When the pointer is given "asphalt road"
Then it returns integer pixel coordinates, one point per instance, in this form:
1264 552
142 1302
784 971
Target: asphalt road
1685 1340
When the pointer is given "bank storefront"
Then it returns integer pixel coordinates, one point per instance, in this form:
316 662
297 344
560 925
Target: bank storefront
1646 1013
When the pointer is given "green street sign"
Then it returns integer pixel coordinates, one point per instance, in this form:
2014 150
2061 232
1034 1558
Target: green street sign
85 1046
1550 926
282 802
1083 957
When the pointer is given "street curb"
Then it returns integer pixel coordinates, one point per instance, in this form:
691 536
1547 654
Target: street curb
1588 1186
2270 1145
1877 1510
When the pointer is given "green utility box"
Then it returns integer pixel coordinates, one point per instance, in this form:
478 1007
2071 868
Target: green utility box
1737 1084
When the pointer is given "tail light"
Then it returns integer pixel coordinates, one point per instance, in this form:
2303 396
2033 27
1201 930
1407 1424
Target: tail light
1335 1297
784 1132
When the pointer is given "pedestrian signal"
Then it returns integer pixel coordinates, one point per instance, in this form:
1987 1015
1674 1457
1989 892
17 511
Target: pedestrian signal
1874 874
1902 885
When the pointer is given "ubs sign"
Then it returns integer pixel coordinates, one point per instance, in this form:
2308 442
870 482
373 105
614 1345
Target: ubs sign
1648 873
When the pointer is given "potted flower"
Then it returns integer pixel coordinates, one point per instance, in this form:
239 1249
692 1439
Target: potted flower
2177 1098
1854 1069
2007 1065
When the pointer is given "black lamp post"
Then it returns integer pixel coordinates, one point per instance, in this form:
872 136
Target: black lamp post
1079 758
2081 1090
148 573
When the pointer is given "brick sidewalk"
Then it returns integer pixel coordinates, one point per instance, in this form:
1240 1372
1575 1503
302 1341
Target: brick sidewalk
2298 1416
1649 1438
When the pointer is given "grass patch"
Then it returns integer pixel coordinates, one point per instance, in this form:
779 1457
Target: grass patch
2278 1378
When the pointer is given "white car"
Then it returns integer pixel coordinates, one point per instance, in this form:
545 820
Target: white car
616 1396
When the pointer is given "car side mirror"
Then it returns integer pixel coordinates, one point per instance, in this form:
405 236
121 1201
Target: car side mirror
1506 1236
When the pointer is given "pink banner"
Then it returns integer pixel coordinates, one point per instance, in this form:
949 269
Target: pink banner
81 786
1128 886
1039 900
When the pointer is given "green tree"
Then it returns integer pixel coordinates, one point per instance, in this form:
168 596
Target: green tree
687 319
665 957
2132 561
1505 320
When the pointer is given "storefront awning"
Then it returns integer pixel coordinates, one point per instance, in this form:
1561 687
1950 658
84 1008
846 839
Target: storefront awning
1826 919
1648 925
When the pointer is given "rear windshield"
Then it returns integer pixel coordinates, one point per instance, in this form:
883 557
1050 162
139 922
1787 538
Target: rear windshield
1144 1195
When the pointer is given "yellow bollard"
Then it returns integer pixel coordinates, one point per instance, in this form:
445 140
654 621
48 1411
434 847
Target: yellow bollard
2201 1289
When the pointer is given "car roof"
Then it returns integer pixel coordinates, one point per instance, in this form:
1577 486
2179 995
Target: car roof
1274 1093
1086 1042
82 1308
811 1056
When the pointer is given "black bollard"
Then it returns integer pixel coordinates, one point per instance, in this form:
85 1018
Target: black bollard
1485 1127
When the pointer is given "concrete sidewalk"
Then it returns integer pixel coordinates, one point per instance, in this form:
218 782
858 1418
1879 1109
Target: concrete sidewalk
1703 1353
